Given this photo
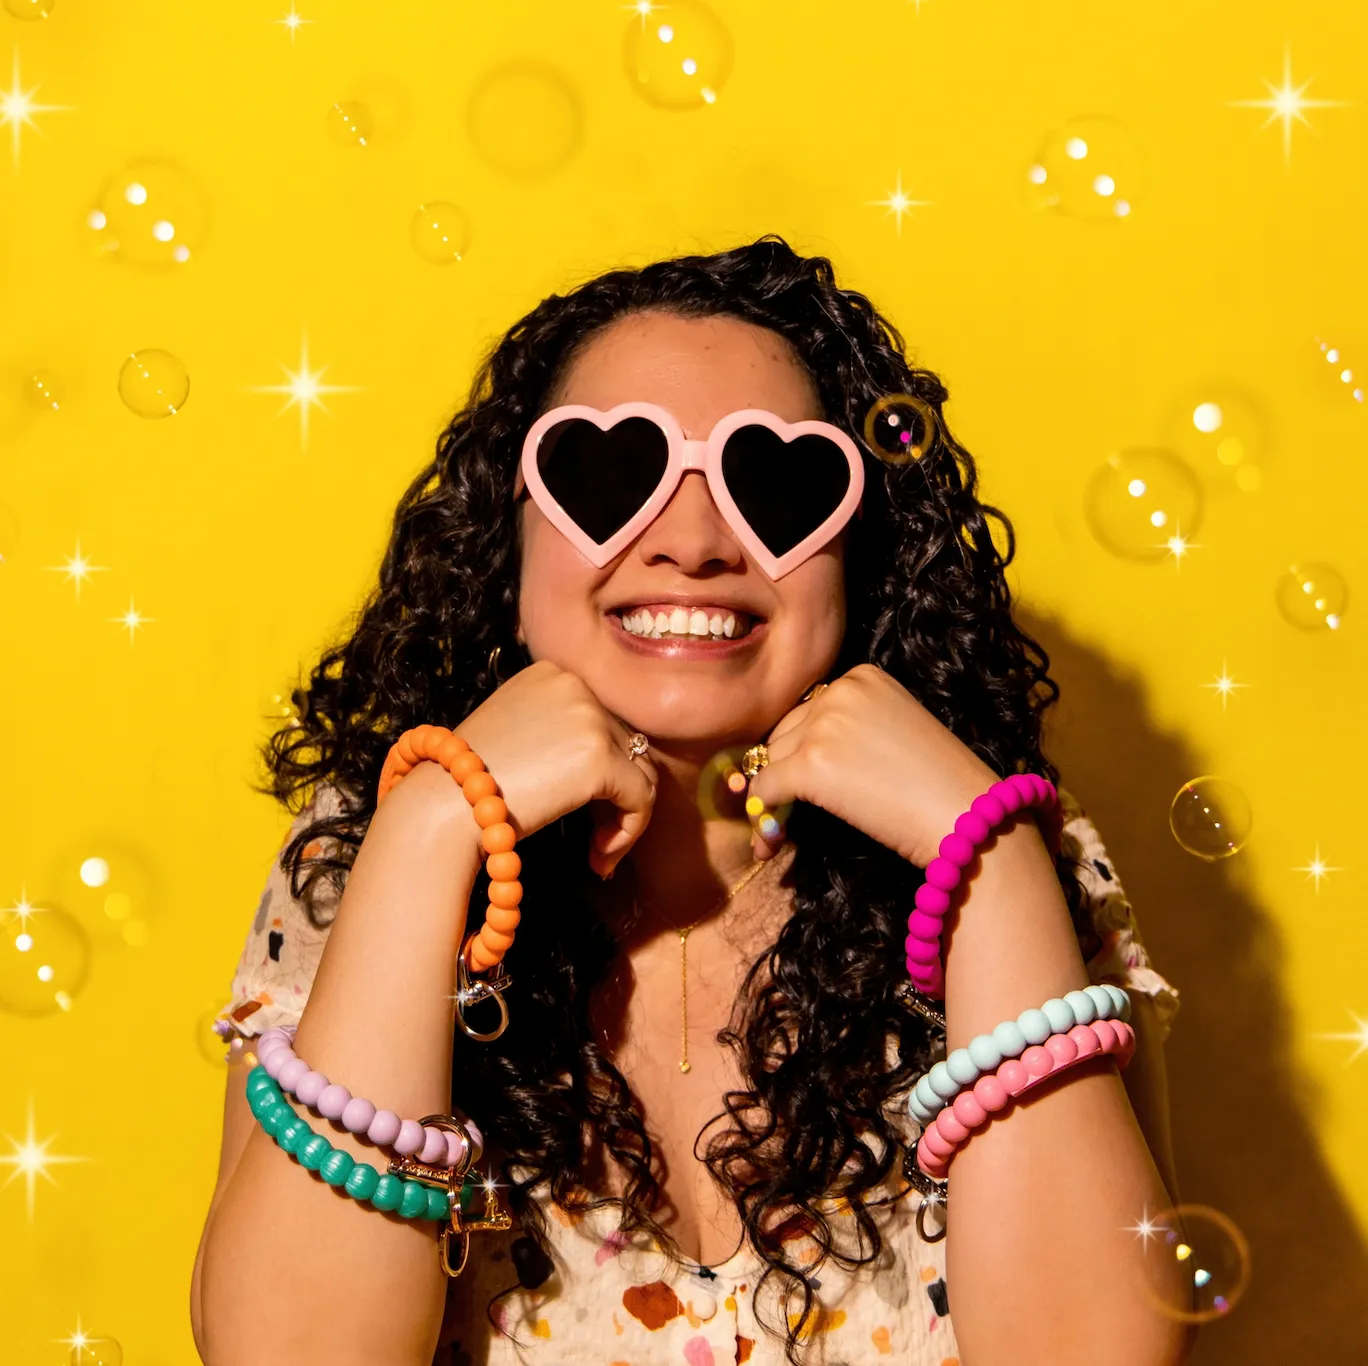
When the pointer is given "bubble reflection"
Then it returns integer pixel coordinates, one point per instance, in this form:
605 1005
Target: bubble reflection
1211 818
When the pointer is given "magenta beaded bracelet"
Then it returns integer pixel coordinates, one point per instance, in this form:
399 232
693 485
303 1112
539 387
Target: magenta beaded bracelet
945 872
384 1128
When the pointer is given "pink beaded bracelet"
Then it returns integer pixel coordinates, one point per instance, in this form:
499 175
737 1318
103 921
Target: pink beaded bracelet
945 872
993 1091
384 1128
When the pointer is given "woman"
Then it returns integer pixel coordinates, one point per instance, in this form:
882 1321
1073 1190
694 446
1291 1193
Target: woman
649 1012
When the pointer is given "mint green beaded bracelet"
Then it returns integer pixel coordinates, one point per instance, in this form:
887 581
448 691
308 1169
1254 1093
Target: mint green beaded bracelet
409 1199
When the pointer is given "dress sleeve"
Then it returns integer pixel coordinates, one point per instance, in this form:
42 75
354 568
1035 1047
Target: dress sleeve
1119 954
283 947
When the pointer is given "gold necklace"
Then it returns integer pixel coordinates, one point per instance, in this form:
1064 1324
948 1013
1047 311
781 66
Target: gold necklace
754 869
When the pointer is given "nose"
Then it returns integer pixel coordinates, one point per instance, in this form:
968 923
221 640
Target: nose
690 532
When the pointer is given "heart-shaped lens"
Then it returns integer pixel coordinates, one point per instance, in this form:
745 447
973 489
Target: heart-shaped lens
602 478
784 489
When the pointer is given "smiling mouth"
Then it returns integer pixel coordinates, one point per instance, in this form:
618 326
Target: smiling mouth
667 621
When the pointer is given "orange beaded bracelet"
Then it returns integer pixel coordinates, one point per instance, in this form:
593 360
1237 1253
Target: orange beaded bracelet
485 950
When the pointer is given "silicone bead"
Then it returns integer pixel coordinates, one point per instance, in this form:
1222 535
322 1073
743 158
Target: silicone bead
957 850
503 867
941 1082
504 921
991 1094
505 895
928 1098
478 786
411 1138
337 1167
434 1149
984 1052
1108 1032
1085 1040
1034 1025
940 872
1106 1008
961 1067
1037 1061
466 766
1083 1006
438 1204
1061 1049
1060 1014
413 1202
951 1127
275 1119
1014 1076
389 1191
1008 796
384 1128
973 827
292 1134
490 811
990 809
1125 1002
1026 787
498 839
449 750
312 1152
496 939
932 900
1010 1039
332 1101
357 1117
924 927
933 1139
309 1087
968 1111
290 1074
362 1181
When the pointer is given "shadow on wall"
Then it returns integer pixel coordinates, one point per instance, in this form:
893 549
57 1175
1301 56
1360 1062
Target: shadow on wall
1243 1135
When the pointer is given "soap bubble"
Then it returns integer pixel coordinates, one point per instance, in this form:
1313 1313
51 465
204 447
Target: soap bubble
44 958
900 428
96 1352
440 232
1091 169
1211 818
1196 1262
1139 499
153 383
152 213
525 119
44 391
280 708
678 57
1221 433
30 9
220 1045
350 124
1341 367
108 885
1313 596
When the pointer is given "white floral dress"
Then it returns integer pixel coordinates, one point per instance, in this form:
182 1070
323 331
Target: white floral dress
617 1300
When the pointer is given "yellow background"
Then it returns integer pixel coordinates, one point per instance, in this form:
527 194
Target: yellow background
1060 340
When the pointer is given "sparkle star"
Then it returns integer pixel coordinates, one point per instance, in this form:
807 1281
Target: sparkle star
32 1159
24 909
17 108
1317 870
304 389
1146 1228
898 204
77 1340
643 8
1286 104
1224 685
78 569
131 620
293 22
1178 546
1359 1037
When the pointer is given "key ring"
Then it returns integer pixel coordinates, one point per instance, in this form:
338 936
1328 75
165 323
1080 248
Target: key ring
933 1193
471 989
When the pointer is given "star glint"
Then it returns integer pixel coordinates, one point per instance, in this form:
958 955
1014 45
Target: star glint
32 1159
1146 1228
1359 1037
898 203
1178 546
17 108
1224 685
22 908
131 620
1317 869
78 569
293 22
1287 104
304 389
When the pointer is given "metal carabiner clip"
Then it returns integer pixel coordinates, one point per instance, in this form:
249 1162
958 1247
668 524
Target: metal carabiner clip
934 1193
471 989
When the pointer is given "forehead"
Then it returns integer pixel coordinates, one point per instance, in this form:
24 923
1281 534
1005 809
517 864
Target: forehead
699 369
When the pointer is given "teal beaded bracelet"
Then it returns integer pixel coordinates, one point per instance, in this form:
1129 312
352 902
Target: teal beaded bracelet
393 1194
985 1052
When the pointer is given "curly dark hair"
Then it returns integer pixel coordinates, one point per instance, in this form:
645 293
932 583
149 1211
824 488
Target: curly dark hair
927 602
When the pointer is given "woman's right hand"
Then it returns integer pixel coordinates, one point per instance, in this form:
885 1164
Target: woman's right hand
552 748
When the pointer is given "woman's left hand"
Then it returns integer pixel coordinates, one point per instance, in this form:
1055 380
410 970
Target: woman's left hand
867 751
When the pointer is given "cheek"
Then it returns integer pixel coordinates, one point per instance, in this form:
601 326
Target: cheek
555 591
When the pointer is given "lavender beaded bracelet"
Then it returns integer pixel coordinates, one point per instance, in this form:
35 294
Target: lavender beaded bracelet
358 1116
945 872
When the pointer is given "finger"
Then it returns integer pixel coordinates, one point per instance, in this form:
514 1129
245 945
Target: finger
771 795
629 784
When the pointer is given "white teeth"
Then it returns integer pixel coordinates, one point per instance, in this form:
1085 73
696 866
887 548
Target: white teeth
729 627
698 624
662 622
679 622
715 623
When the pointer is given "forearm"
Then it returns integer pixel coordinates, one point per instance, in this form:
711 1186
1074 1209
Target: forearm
1040 1265
331 1279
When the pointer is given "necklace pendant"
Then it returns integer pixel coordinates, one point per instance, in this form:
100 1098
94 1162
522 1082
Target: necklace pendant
684 1065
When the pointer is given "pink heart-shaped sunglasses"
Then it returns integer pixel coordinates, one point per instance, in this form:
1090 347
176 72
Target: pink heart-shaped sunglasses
784 488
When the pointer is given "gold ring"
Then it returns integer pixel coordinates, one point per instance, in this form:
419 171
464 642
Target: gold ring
637 744
816 690
754 759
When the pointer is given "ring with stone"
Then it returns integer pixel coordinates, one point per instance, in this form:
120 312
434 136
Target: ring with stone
754 759
637 744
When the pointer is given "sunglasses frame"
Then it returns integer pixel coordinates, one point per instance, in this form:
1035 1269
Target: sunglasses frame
683 455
